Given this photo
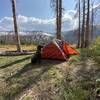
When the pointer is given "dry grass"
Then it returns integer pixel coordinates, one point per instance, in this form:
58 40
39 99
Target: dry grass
17 75
13 47
50 80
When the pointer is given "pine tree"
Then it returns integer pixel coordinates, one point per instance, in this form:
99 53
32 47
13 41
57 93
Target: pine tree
87 33
83 26
57 5
79 23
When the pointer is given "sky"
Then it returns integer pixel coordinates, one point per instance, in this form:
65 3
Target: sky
36 15
32 8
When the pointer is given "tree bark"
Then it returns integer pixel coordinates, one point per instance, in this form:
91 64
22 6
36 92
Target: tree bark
87 34
83 26
79 33
58 18
57 13
92 20
18 45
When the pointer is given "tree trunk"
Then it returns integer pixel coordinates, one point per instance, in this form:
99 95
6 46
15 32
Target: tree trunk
83 26
18 45
92 20
87 34
78 44
58 18
57 13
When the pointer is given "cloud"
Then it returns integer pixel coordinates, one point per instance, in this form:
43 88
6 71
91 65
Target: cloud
96 6
31 23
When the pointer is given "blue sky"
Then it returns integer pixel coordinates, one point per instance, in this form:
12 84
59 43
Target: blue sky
36 15
35 8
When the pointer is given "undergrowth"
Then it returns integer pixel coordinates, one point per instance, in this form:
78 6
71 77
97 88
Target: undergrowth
92 52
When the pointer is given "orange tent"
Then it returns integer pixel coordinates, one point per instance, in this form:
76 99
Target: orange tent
58 49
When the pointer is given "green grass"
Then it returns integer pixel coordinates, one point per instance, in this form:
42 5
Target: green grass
53 78
75 93
92 52
10 66
17 74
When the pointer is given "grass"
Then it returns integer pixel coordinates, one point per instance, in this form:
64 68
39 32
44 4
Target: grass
50 80
17 74
92 52
55 80
8 67
75 93
13 47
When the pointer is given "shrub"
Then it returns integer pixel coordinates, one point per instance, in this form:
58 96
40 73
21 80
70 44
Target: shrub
93 51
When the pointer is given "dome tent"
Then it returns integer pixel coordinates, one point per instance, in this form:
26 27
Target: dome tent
57 49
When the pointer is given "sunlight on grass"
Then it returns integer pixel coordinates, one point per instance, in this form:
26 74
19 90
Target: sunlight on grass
13 47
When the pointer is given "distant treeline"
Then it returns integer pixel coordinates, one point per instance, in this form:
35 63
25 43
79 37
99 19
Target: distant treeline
25 39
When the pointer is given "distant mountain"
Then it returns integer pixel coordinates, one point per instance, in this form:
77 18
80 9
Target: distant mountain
71 36
44 37
38 37
26 32
96 31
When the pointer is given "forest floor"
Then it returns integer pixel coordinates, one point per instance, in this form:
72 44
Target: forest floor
50 80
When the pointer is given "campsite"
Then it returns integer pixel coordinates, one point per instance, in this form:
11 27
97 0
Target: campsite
50 55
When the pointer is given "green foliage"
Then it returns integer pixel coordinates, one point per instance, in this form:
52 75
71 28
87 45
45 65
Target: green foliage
98 81
98 90
75 93
93 51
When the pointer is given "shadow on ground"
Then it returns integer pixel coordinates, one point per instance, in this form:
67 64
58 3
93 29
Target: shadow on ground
28 76
87 75
15 62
